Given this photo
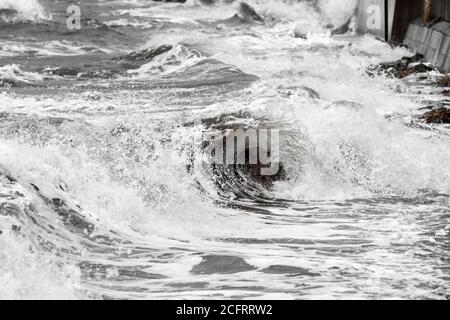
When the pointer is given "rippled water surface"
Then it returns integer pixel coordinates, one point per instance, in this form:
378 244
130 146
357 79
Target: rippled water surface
106 191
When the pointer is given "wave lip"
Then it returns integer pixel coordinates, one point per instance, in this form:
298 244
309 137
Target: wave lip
182 66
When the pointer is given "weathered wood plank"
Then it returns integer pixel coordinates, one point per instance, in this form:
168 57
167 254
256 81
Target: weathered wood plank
431 41
406 11
441 9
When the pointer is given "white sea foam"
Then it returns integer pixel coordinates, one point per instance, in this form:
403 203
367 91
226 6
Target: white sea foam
365 202
12 75
30 10
338 11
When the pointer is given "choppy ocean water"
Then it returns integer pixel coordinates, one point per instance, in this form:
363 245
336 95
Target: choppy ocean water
106 192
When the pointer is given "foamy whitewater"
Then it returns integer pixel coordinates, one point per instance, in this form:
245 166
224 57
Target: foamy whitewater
106 192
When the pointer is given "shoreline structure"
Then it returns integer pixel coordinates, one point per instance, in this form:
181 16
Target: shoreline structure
423 25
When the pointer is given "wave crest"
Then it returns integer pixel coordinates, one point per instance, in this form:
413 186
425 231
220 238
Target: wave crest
16 11
12 76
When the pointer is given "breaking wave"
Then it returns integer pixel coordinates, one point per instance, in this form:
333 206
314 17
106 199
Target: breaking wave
12 76
16 11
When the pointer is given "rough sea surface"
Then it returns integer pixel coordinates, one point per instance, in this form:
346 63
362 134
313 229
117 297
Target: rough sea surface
106 192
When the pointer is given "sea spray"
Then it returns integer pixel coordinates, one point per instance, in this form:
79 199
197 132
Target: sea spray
26 10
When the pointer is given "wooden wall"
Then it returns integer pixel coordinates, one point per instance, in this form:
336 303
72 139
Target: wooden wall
371 16
433 41
441 9
406 12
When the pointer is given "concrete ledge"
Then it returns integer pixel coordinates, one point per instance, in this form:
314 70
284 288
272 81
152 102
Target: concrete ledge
433 42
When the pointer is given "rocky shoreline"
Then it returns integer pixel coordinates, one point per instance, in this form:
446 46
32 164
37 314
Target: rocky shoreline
435 112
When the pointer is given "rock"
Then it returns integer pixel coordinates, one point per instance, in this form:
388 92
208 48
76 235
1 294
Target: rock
438 115
444 81
418 68
248 13
221 264
401 68
234 21
299 35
